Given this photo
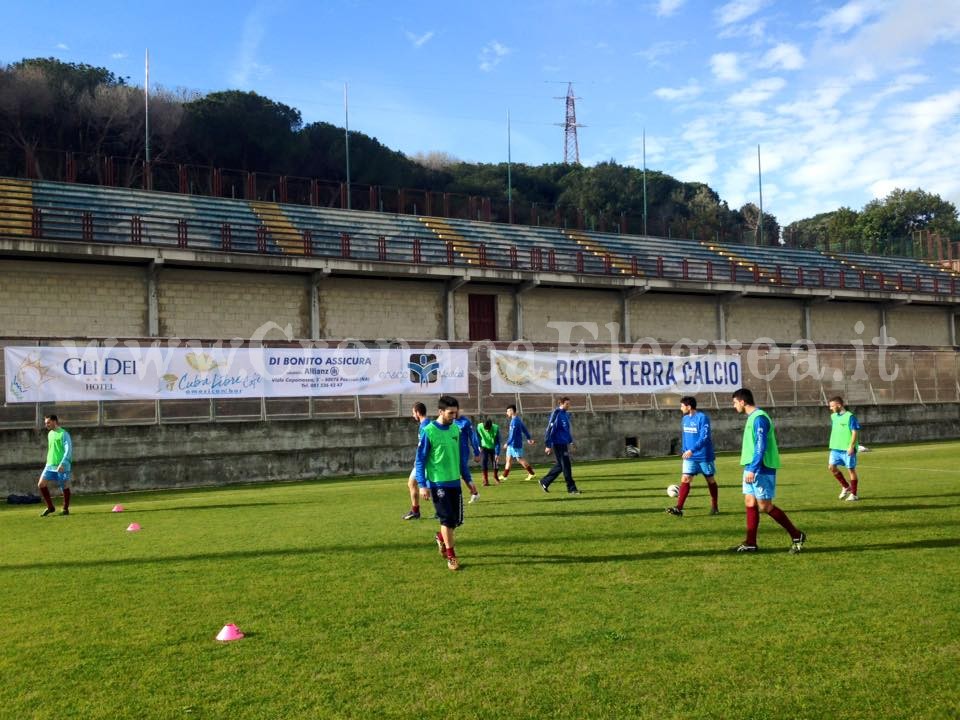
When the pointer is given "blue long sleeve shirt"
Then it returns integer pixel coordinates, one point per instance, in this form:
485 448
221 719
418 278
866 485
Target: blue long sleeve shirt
466 428
697 438
517 432
423 452
761 431
558 431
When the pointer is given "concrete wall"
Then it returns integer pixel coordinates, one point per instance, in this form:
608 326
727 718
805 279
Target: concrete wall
836 322
63 299
752 318
372 308
166 456
593 308
672 317
220 304
918 325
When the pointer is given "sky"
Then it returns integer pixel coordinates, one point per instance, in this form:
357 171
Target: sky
846 100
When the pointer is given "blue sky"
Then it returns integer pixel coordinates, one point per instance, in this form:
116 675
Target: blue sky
847 100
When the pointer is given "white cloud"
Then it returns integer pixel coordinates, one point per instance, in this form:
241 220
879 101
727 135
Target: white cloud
118 55
847 17
758 92
785 56
737 10
492 54
62 46
659 50
418 41
921 116
700 169
666 8
688 92
726 67
247 66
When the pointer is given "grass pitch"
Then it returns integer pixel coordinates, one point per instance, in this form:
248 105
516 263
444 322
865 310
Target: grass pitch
599 606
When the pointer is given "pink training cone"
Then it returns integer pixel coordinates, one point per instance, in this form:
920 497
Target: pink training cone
117 508
133 527
229 632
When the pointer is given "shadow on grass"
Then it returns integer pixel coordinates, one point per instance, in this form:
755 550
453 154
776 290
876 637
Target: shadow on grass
503 559
865 506
220 506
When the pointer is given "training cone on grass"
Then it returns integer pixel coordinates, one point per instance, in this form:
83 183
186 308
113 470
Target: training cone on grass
133 527
117 508
230 632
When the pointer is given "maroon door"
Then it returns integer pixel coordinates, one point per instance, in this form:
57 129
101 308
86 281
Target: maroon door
483 317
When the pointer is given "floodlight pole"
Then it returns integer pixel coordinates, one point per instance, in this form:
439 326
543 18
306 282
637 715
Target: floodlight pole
760 183
509 178
146 117
346 133
644 182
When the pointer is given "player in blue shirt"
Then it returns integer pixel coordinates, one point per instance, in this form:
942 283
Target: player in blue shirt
470 434
698 455
514 444
558 438
419 413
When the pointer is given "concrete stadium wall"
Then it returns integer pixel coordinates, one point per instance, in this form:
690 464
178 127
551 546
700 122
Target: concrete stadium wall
69 299
53 298
370 308
113 459
221 304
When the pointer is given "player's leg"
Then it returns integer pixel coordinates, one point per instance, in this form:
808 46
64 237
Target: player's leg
485 465
508 463
714 493
766 492
65 491
749 543
44 486
531 473
567 465
835 471
854 484
414 490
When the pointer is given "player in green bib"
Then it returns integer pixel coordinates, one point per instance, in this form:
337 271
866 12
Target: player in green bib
844 443
489 434
760 458
59 467
443 458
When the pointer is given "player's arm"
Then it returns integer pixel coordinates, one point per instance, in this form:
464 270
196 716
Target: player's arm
465 458
524 433
548 433
761 431
496 443
67 451
854 435
703 435
420 463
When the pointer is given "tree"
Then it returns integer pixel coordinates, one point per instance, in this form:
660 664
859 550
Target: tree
886 224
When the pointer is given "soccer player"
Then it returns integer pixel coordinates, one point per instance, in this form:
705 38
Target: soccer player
489 433
514 444
760 459
466 427
419 413
558 438
844 447
698 455
442 459
59 467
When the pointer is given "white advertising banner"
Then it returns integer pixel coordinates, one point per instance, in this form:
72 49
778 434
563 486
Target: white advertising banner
63 374
602 373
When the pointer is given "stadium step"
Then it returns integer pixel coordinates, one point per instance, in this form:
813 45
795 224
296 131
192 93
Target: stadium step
16 207
595 248
468 250
282 231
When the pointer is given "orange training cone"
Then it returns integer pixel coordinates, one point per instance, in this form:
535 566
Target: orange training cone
117 508
133 527
229 632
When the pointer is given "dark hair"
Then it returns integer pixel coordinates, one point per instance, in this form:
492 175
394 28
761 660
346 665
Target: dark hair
419 408
563 400
447 401
512 407
744 395
837 399
51 417
689 400
488 423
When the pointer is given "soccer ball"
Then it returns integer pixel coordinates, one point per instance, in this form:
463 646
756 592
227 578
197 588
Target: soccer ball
673 490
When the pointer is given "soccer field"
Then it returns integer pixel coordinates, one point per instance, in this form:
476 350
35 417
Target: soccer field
598 606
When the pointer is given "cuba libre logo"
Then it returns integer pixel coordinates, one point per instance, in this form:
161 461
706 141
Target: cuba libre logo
213 383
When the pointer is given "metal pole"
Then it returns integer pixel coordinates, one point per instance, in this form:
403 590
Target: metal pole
509 178
760 181
644 181
346 134
146 106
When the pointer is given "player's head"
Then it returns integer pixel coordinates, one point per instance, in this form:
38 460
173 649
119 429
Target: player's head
50 422
564 403
688 403
836 404
511 410
742 399
448 407
488 423
419 410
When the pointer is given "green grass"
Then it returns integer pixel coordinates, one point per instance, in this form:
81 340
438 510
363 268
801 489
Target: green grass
599 606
